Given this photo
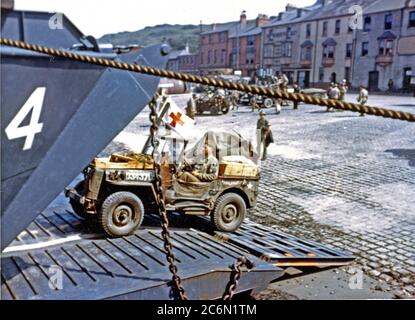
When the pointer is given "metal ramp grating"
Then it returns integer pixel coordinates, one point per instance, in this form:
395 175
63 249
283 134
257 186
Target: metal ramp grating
134 267
282 249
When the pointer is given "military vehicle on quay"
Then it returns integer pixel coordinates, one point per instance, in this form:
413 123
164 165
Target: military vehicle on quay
117 191
75 109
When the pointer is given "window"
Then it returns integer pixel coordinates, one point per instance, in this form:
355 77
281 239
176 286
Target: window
411 19
287 49
388 21
223 56
222 37
201 58
251 40
349 29
210 38
208 57
268 51
349 48
306 53
365 49
233 59
337 27
385 47
215 56
328 52
325 26
270 35
288 32
308 30
367 24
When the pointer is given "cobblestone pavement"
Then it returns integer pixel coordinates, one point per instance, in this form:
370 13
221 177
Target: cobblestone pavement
340 179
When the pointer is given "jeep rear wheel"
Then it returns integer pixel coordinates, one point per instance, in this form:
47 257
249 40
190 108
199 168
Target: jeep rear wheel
121 214
229 212
268 103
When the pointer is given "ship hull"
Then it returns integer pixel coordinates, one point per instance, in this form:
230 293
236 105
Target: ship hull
56 115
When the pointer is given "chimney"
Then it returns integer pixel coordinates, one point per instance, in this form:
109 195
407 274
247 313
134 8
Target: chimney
7 4
290 7
242 19
262 19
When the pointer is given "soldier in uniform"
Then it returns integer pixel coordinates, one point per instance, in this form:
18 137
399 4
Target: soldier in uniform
333 93
205 169
268 139
191 106
284 87
343 90
296 90
254 103
363 97
262 128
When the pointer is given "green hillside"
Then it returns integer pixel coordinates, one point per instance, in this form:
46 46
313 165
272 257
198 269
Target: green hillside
177 35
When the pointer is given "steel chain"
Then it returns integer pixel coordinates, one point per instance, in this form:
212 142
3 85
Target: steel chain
235 276
297 97
168 246
277 94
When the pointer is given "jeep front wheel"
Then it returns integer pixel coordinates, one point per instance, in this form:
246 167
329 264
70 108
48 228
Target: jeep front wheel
229 212
121 214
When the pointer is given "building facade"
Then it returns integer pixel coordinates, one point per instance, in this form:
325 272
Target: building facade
323 43
233 47
365 42
281 43
214 51
183 61
385 46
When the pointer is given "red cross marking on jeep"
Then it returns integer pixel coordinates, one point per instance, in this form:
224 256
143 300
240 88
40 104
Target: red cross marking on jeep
176 119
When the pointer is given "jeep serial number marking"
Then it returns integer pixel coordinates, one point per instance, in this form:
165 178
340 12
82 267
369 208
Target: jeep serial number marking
138 176
231 183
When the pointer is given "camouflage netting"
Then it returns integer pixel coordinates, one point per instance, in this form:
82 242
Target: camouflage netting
223 144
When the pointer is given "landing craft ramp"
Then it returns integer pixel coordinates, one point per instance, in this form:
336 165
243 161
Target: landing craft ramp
134 267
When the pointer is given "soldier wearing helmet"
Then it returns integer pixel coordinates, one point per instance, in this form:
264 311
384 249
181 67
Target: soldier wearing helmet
263 135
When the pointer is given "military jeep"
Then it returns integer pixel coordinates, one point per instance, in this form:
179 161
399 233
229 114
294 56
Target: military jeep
215 103
119 190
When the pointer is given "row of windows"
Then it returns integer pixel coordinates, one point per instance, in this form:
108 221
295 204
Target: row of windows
385 48
388 22
250 58
367 24
210 37
212 56
187 60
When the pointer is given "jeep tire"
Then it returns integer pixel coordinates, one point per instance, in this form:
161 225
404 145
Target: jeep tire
229 212
268 103
121 214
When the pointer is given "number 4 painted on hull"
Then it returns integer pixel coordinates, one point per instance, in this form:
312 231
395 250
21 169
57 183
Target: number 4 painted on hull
34 104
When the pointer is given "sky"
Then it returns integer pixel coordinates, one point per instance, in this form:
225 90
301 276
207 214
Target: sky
99 17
